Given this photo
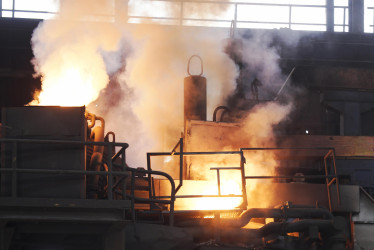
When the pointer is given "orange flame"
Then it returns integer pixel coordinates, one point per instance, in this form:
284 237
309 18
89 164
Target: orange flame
67 87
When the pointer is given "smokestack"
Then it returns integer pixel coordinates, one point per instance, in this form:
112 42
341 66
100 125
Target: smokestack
195 96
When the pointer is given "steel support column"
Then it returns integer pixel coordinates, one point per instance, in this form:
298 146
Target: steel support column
330 15
356 16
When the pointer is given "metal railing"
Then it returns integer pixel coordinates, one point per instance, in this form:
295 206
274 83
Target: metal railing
345 18
118 161
330 154
14 170
181 155
327 176
181 19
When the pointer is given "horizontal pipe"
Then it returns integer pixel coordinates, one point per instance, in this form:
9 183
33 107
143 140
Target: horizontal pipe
201 196
194 153
287 148
8 140
55 171
226 168
284 213
290 177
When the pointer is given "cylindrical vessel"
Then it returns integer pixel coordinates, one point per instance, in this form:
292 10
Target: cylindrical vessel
195 98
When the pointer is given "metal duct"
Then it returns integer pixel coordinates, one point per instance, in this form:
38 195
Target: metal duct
195 95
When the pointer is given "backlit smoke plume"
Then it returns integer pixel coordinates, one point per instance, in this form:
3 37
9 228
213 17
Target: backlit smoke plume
68 53
154 76
132 75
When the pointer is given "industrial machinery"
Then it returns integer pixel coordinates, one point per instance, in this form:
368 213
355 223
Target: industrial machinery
65 184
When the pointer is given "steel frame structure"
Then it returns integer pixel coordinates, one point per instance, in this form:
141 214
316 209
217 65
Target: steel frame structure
330 178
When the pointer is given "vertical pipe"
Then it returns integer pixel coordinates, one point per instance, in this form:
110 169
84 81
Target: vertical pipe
330 15
171 216
1 8
172 200
14 167
110 173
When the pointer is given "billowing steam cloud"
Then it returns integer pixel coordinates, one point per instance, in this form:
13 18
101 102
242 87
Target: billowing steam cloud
77 56
157 71
139 73
68 53
154 76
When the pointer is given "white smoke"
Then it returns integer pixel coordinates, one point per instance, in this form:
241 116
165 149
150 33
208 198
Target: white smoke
68 52
146 107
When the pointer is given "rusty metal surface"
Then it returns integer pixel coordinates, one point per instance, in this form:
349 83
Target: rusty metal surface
44 123
195 98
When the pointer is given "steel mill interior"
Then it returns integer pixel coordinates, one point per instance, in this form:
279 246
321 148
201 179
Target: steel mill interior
196 131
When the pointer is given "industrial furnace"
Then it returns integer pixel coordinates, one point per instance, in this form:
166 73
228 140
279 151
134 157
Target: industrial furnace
280 212
62 174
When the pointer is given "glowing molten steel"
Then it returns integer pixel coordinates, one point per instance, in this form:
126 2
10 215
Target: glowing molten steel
221 203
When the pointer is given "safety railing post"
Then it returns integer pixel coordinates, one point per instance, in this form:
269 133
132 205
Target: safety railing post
181 163
149 168
289 16
110 173
244 189
336 178
14 167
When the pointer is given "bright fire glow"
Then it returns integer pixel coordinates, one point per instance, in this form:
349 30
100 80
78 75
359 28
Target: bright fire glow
220 203
230 187
67 87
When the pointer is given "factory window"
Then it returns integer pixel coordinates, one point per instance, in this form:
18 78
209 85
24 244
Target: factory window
293 14
341 15
36 9
264 14
369 16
